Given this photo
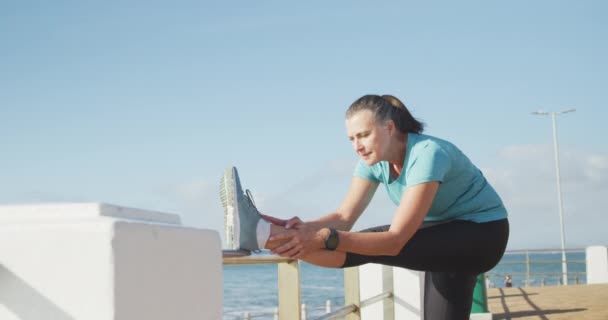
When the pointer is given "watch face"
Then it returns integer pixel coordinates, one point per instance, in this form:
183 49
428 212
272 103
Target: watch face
332 240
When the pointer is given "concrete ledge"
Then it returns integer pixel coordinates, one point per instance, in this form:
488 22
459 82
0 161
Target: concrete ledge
103 262
67 211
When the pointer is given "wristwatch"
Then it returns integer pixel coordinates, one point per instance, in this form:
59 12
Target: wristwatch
331 243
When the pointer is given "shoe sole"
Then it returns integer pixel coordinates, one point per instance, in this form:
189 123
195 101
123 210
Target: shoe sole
231 208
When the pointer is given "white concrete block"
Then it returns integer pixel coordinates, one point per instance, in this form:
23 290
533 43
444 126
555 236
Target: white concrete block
99 262
481 316
408 294
597 264
375 279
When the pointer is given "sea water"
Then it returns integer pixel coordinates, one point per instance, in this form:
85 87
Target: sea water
253 288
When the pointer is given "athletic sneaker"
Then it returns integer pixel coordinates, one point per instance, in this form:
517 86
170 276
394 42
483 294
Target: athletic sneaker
241 216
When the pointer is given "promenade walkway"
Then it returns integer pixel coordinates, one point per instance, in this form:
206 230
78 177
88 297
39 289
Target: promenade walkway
557 302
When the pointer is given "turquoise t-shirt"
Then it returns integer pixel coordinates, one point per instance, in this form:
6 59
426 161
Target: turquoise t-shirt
463 194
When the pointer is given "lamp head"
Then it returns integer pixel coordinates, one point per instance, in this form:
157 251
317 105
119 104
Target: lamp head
566 111
540 113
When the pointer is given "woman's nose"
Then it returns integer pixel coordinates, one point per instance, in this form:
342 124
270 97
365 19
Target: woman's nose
357 145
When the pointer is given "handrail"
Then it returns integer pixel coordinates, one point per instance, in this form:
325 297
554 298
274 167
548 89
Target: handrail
520 251
534 273
529 263
542 262
346 310
376 298
235 253
255 259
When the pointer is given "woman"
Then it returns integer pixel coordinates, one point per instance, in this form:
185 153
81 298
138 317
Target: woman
449 221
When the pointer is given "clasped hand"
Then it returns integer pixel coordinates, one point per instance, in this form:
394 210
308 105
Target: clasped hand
297 239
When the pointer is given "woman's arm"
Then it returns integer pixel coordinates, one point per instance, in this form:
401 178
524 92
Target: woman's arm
305 236
415 203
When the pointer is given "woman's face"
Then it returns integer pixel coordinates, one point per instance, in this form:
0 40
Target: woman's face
369 138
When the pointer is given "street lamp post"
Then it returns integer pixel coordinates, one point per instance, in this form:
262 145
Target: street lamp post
559 188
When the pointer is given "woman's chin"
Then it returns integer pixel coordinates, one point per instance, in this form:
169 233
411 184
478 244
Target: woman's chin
370 162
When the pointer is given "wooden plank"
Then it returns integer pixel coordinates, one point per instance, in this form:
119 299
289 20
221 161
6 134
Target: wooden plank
289 291
351 292
255 260
387 285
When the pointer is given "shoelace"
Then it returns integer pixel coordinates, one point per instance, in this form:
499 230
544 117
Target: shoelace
250 198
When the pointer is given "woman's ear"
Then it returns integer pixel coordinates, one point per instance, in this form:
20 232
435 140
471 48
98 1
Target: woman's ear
390 126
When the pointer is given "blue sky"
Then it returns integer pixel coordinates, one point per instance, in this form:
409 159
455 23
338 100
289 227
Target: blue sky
144 103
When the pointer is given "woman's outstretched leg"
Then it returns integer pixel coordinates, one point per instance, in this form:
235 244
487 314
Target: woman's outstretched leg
320 257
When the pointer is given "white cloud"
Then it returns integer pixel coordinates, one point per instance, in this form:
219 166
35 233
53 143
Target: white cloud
595 169
524 176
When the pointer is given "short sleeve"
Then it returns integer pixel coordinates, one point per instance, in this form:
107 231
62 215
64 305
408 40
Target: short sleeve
364 171
431 164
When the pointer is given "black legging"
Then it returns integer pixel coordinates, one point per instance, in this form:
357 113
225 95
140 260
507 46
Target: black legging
452 254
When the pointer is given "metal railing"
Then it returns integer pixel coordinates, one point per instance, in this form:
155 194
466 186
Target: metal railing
528 275
289 296
352 308
290 306
288 280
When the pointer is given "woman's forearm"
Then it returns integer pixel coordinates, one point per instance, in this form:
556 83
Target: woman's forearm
408 217
333 220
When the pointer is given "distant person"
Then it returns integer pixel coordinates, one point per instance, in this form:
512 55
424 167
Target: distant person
508 281
448 222
489 283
